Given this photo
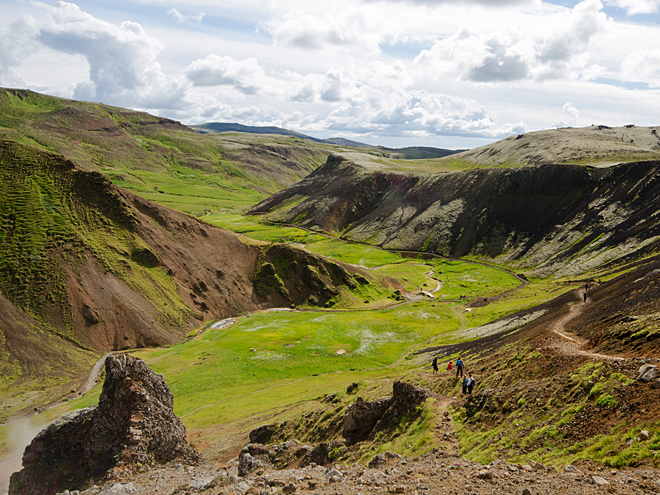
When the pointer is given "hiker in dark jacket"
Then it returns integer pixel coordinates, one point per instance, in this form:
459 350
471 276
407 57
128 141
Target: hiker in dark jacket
465 385
435 364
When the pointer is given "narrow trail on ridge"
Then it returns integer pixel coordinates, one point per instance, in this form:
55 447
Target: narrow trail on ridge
571 344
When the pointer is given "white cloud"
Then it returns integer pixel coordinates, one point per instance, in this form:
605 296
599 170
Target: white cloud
338 87
572 112
637 6
564 50
486 3
351 30
122 59
418 113
187 17
16 44
524 52
246 76
643 66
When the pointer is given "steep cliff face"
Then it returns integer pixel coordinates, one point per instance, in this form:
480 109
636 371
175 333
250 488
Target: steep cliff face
554 219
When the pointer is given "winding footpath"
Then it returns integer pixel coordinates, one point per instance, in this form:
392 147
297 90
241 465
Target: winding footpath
571 344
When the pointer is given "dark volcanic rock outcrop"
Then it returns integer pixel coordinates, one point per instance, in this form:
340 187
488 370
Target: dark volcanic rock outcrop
133 427
361 418
364 419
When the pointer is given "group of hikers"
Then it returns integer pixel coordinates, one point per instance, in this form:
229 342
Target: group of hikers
468 381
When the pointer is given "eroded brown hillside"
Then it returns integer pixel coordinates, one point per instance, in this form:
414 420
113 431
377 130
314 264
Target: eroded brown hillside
91 266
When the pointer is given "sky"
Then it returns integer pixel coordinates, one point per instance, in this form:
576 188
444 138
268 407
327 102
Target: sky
445 73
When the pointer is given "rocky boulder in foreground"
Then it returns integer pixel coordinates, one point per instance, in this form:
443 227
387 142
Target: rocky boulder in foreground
364 419
132 427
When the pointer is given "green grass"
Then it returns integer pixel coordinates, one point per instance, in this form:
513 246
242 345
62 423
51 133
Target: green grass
189 190
465 279
458 278
255 227
527 427
355 254
413 273
290 346
409 439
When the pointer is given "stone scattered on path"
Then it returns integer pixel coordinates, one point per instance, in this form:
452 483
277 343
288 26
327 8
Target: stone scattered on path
647 373
599 480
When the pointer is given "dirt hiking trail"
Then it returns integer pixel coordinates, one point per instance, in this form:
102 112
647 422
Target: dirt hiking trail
445 428
571 344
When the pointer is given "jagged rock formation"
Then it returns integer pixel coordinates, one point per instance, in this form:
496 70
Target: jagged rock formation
360 421
361 418
263 434
558 219
364 419
132 427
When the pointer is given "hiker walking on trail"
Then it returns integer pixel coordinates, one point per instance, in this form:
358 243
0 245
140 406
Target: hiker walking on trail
585 297
435 364
465 385
471 383
449 366
459 367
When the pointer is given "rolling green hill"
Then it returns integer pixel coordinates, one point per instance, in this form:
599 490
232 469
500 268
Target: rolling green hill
158 158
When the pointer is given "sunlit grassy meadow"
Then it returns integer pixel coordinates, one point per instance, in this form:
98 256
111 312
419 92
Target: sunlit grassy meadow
291 346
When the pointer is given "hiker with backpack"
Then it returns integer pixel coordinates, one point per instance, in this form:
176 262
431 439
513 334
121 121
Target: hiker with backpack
465 385
435 364
459 367
470 385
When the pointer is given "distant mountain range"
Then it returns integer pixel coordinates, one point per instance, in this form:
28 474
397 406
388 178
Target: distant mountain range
408 153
